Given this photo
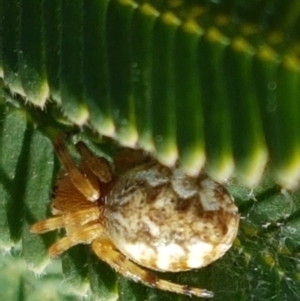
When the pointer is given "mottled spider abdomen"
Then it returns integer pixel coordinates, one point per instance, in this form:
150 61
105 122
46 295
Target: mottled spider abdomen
164 220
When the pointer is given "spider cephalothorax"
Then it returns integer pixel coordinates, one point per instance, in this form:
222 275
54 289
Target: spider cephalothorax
149 216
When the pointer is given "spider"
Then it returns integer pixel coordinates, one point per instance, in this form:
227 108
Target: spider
149 217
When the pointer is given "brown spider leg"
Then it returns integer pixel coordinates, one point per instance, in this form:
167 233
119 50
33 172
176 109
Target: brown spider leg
82 217
77 178
106 251
84 235
129 158
98 166
73 219
47 225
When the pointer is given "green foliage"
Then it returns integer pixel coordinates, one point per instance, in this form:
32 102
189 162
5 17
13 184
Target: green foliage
17 283
262 264
214 82
205 82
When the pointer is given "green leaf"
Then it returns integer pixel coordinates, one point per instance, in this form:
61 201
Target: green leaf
261 263
213 84
205 82
18 284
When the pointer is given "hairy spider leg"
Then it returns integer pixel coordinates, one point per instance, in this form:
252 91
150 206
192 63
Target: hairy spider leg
106 251
47 225
84 235
78 179
70 221
99 166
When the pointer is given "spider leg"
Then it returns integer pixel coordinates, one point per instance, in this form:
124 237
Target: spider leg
84 235
77 178
70 221
98 166
106 251
82 217
129 158
47 225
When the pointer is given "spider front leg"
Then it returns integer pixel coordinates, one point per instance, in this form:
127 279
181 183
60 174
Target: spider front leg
98 166
70 221
106 251
80 226
84 235
77 178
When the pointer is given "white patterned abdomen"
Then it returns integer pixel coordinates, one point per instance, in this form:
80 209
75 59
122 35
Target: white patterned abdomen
166 221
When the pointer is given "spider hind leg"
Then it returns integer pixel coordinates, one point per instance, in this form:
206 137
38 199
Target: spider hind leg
106 251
